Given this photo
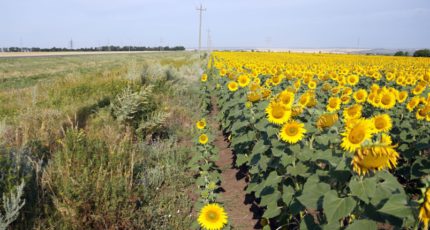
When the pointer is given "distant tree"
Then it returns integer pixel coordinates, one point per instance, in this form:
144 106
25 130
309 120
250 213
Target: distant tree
422 53
399 53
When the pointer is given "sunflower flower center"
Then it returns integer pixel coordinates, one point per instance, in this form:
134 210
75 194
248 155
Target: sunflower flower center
380 123
357 135
386 99
212 216
278 112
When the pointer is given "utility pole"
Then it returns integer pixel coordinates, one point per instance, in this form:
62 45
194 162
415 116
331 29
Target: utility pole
209 41
201 9
71 44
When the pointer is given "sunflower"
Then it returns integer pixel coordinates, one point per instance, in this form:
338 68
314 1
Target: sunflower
402 96
253 96
204 77
292 132
212 217
345 99
375 157
333 104
353 79
297 84
232 86
286 98
422 112
277 112
276 80
304 100
312 84
296 111
360 96
326 86
327 120
413 103
357 132
387 100
382 123
203 139
266 93
424 214
352 112
201 124
243 80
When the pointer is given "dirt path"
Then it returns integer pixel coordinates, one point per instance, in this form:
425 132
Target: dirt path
239 208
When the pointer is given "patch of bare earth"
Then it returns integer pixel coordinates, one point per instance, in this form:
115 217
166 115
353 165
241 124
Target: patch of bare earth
233 196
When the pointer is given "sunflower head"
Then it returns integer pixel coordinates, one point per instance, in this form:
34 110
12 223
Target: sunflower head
312 84
360 96
327 120
402 96
204 77
424 214
253 96
352 112
203 139
286 98
353 79
212 217
277 112
387 100
243 80
232 86
201 124
382 123
292 132
377 157
357 132
333 104
413 103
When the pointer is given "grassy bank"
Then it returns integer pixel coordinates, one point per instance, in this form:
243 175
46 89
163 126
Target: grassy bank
97 141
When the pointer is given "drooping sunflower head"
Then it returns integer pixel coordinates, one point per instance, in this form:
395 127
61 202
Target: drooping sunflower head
243 80
292 132
286 98
203 139
382 123
375 157
253 96
360 96
212 217
204 77
266 93
352 112
201 124
333 104
277 112
232 86
424 214
356 133
327 120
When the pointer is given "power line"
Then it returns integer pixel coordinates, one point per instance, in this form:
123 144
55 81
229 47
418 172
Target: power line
201 9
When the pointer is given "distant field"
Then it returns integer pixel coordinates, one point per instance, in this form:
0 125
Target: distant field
44 54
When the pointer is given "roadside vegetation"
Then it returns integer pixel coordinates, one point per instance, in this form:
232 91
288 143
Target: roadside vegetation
97 142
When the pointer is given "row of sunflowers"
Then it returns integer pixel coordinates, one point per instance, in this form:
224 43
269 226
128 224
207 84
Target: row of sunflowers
330 141
211 213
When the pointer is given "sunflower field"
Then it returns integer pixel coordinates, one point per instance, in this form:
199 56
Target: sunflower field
329 141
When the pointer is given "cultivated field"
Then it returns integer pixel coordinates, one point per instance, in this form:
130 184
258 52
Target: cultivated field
230 140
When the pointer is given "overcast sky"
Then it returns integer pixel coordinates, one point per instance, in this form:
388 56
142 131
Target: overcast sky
232 23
